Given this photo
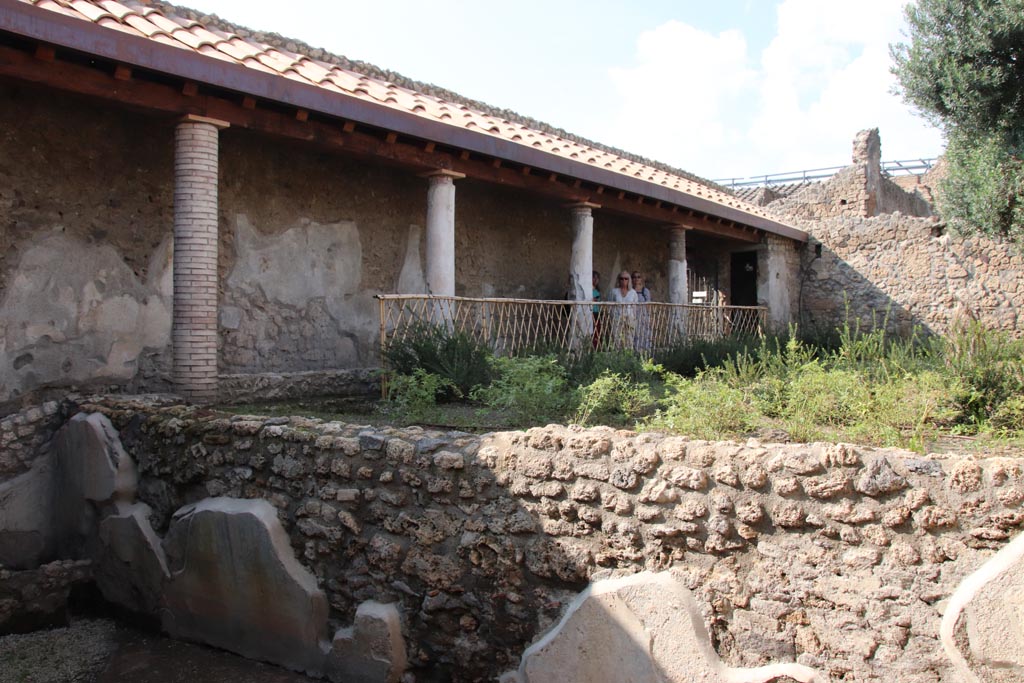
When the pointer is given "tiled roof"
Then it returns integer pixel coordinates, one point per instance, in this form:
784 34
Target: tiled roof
164 24
762 195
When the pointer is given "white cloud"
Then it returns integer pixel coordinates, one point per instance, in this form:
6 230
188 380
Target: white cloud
702 102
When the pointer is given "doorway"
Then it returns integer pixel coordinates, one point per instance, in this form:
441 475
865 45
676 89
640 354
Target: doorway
743 278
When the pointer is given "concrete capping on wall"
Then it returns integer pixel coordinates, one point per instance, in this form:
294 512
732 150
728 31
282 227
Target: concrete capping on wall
278 386
835 557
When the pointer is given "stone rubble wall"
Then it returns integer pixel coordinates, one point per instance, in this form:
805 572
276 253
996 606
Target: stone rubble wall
905 268
836 557
25 435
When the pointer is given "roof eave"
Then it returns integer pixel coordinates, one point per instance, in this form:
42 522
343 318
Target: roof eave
137 51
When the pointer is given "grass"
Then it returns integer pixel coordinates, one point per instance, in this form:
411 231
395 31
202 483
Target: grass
963 391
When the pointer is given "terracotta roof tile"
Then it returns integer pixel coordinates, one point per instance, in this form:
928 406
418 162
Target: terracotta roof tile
56 7
88 9
160 23
143 25
204 34
111 22
115 8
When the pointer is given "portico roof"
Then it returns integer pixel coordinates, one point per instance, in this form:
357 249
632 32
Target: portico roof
155 57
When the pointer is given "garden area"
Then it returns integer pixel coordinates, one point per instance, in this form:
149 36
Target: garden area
961 392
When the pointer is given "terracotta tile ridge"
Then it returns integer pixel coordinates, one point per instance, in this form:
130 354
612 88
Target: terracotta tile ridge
283 43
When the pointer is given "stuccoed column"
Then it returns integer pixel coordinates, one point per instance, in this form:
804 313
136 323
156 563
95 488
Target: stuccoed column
441 232
581 269
440 275
194 320
678 287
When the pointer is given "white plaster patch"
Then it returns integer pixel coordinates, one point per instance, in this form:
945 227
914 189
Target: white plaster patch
309 261
412 280
645 628
75 312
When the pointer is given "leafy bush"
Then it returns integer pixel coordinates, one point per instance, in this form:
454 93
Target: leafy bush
456 357
585 368
1008 418
988 366
704 407
414 396
529 390
691 356
613 398
984 187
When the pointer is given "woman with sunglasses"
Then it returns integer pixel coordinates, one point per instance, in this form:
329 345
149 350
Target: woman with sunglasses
624 317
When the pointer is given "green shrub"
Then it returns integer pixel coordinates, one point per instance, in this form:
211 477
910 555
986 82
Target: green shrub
613 398
1008 418
414 396
455 356
529 390
587 367
704 407
828 398
988 366
691 356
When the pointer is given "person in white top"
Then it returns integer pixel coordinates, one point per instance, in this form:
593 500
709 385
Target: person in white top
624 317
643 315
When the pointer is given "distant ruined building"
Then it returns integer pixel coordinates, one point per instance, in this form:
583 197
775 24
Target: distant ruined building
879 252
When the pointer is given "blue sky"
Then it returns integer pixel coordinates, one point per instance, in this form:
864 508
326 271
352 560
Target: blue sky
730 88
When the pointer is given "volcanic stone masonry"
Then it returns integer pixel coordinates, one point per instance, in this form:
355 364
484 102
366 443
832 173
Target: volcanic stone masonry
838 558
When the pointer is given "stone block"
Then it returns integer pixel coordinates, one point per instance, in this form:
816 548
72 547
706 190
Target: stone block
371 650
645 628
26 526
235 584
131 567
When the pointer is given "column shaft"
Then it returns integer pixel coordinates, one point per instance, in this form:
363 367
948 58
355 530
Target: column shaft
677 285
194 322
441 234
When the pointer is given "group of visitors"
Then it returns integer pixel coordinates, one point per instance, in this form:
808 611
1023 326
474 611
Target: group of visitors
628 326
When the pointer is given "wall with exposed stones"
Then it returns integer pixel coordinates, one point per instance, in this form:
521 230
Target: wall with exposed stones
907 269
859 190
836 557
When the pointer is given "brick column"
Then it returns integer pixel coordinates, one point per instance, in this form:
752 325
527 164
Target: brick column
194 326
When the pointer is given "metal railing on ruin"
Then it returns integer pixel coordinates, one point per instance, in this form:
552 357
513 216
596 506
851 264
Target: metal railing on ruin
517 326
889 168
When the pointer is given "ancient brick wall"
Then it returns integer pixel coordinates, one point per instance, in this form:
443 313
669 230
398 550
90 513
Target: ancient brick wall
837 557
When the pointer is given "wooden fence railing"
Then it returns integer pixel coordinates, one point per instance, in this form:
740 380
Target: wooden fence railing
513 326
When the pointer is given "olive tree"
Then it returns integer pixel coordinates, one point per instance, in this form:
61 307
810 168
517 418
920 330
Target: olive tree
963 69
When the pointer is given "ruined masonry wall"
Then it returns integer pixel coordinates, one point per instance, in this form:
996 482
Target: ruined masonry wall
835 556
26 435
902 266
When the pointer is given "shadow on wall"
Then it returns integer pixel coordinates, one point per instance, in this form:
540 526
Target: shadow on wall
832 291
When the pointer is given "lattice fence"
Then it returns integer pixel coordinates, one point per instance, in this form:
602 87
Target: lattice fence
515 326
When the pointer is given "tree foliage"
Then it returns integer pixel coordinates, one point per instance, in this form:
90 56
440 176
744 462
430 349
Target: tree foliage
963 68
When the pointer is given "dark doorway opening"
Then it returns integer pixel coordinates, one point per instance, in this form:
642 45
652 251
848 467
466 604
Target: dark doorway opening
743 278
